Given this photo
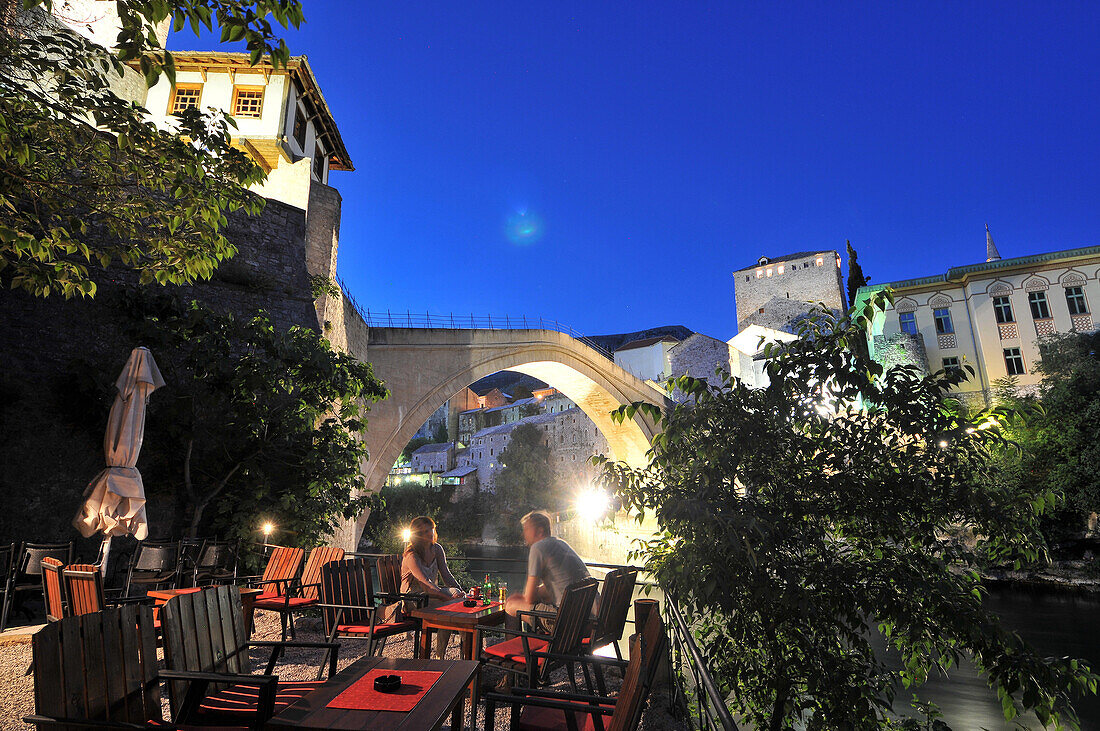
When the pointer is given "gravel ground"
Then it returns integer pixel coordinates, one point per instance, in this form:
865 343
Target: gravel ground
17 690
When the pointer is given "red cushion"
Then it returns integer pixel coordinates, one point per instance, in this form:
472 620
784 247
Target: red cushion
513 649
535 718
266 595
242 699
280 602
382 629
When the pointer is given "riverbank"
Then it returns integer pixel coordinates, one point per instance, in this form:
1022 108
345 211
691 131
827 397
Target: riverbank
1071 576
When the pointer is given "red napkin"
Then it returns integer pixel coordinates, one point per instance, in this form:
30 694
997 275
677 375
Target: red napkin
457 607
361 695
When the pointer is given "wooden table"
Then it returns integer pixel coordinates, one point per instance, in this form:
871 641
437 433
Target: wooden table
443 698
248 599
465 623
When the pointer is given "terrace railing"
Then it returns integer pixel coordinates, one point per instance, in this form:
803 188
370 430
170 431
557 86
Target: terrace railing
694 688
455 321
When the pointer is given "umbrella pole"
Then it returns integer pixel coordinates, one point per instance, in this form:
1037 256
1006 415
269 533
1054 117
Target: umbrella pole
104 551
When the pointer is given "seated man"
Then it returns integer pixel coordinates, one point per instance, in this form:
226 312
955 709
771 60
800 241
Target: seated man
552 565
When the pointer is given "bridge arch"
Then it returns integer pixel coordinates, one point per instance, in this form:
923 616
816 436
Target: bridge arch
423 367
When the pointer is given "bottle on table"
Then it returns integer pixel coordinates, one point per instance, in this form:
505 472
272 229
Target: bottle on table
486 590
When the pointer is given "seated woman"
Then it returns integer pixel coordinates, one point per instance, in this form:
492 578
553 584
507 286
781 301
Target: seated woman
422 566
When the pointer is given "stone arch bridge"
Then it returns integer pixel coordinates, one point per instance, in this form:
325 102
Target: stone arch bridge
423 367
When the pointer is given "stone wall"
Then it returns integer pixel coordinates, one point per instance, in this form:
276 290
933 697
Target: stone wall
699 357
901 349
49 345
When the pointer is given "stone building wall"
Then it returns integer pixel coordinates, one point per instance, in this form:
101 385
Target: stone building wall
801 279
699 356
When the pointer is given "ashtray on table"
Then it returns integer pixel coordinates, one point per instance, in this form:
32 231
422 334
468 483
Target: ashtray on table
387 683
470 603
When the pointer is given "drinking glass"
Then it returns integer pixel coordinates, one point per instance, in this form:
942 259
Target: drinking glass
502 591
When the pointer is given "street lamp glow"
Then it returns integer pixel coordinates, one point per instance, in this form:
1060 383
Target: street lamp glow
592 504
268 528
406 535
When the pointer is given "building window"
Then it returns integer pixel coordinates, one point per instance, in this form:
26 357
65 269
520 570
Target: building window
248 101
769 272
908 322
746 277
780 269
759 273
1002 308
300 127
1040 309
184 96
1014 362
820 261
1075 298
943 321
318 163
951 364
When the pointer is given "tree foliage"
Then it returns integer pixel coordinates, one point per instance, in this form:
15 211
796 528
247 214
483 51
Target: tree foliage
856 279
1057 445
798 520
256 422
526 480
87 181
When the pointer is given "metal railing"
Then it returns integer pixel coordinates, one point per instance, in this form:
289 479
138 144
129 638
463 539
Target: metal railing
452 321
704 706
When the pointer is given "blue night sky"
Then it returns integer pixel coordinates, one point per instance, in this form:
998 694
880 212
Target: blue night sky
610 164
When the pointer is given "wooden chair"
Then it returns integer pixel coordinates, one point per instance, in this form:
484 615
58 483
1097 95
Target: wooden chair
153 565
532 656
205 632
281 569
53 589
302 593
83 589
100 671
350 609
541 710
7 561
614 605
26 573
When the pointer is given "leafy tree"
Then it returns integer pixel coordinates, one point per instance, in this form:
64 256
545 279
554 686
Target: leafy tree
1058 449
525 482
439 434
855 275
797 519
255 422
86 180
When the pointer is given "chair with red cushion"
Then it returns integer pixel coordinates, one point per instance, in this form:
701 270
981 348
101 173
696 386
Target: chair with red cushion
540 710
532 656
279 573
99 670
205 632
303 592
351 608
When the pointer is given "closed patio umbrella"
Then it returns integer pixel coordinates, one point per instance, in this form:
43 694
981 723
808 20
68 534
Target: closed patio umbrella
114 502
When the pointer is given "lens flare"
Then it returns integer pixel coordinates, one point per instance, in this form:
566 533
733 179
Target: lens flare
523 227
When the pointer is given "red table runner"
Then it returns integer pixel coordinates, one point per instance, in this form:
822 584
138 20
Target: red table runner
361 695
457 607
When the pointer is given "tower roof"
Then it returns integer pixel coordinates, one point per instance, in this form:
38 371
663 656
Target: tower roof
991 253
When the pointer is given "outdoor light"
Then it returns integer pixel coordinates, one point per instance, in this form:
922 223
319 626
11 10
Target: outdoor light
268 528
943 444
592 504
406 535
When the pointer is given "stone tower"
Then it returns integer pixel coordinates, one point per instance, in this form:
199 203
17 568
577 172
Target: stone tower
777 291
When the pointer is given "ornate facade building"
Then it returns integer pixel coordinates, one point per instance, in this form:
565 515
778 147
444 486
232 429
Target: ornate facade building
991 316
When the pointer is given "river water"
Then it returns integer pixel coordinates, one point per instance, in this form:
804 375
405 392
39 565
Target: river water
1057 622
